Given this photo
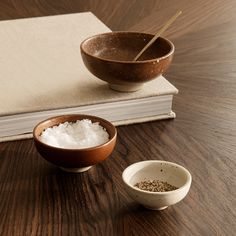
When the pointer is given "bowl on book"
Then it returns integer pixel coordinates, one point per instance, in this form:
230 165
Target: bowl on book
156 184
110 57
75 142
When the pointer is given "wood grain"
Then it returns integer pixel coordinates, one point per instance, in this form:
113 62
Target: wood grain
38 199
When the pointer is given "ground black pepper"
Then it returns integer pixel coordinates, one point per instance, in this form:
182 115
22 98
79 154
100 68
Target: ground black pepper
155 186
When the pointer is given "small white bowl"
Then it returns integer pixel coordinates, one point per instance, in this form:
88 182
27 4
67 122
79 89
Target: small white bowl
169 172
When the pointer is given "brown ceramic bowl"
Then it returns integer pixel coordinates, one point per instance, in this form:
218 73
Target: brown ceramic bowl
109 57
74 160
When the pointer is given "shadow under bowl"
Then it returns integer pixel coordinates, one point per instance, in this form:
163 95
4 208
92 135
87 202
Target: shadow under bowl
169 172
109 57
74 160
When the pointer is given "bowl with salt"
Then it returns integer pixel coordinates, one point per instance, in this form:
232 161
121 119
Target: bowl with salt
75 143
110 57
156 184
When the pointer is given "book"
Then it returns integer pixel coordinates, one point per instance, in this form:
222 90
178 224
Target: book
42 75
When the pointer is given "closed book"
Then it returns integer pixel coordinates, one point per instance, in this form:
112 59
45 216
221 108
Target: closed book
42 75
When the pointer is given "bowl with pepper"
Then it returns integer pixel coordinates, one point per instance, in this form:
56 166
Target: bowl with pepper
157 184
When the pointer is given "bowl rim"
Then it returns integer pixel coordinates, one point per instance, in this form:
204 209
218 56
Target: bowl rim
188 181
75 149
127 62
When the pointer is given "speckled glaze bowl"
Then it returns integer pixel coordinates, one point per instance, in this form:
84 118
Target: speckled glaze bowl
110 57
169 172
74 160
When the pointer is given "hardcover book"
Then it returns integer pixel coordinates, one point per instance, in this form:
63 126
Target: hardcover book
42 75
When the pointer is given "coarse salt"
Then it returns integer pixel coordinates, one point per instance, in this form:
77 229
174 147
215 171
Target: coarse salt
75 135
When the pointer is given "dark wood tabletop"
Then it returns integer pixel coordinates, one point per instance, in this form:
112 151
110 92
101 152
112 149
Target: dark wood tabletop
36 198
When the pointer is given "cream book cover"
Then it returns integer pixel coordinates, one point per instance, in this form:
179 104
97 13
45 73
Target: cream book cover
41 69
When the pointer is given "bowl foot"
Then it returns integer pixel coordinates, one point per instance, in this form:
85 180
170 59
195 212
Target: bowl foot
76 170
158 209
126 88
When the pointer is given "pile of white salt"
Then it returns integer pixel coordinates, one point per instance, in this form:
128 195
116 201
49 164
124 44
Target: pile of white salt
73 135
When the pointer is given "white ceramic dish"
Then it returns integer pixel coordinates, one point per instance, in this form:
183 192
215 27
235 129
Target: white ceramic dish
172 173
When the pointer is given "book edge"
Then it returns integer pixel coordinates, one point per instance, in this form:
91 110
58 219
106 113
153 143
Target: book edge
49 16
172 91
170 115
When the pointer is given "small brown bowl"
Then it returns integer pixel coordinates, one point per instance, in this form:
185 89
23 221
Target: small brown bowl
110 57
74 160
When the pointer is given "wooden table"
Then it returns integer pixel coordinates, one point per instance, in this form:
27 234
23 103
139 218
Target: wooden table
38 199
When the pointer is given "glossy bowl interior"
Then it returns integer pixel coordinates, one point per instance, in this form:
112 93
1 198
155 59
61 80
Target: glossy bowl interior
110 57
169 172
74 160
123 47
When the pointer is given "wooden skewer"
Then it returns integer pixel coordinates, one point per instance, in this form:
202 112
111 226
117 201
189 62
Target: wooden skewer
168 23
